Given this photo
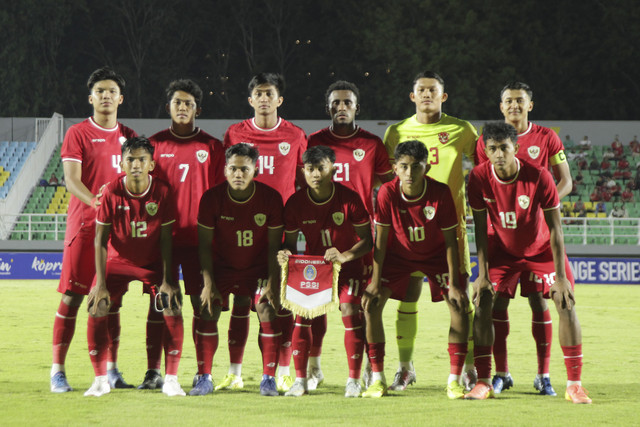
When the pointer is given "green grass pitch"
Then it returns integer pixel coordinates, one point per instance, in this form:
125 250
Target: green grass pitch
609 316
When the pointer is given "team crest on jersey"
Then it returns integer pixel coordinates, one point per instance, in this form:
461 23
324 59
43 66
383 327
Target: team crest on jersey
534 151
429 212
358 154
152 208
310 272
338 218
284 148
443 137
260 219
202 156
523 201
122 139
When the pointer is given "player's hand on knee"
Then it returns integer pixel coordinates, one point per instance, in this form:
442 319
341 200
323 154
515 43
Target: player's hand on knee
482 288
457 299
174 297
562 294
208 296
270 296
98 301
371 298
283 256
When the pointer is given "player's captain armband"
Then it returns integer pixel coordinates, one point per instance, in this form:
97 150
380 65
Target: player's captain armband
560 157
309 285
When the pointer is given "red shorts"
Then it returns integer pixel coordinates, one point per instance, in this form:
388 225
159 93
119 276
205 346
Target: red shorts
397 272
351 285
119 274
189 259
78 262
505 269
530 284
239 282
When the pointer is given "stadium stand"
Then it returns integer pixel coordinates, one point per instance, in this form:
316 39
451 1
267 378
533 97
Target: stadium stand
13 155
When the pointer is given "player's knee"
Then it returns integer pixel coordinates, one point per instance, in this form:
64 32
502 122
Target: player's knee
537 302
500 302
72 299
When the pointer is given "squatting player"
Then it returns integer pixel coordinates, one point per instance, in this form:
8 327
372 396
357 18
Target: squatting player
416 225
519 198
90 158
447 139
133 242
335 225
240 232
281 145
360 159
542 147
191 161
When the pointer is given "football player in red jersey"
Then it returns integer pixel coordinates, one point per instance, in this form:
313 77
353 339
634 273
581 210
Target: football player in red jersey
522 202
133 242
91 154
416 226
281 145
336 225
542 147
240 232
361 160
191 161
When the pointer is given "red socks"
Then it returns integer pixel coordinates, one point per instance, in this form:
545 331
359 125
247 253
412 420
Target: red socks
64 326
97 339
269 342
482 360
285 319
573 361
113 325
238 332
542 331
155 331
318 331
173 341
501 327
376 356
206 345
353 343
301 344
457 355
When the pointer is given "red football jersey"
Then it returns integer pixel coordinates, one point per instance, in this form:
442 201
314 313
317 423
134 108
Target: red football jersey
241 235
359 158
191 166
280 148
515 208
328 224
538 145
136 220
99 151
416 224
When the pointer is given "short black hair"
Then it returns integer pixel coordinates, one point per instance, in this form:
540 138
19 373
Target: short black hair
343 85
517 86
105 73
267 79
185 85
242 149
428 75
499 131
138 142
413 148
317 154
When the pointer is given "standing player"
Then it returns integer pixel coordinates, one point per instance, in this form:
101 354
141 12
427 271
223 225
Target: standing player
335 224
447 139
416 225
360 159
542 147
191 161
240 232
133 242
90 157
519 198
281 145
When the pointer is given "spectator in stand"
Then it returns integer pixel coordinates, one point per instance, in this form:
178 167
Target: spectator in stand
604 168
585 144
635 147
596 194
43 183
606 193
608 155
623 169
619 211
53 180
627 195
601 207
579 178
568 143
566 209
636 181
594 164
578 206
582 163
617 145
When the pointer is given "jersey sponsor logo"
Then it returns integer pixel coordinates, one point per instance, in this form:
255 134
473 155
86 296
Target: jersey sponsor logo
284 148
309 221
523 201
260 219
226 218
489 200
534 151
443 137
152 208
310 272
202 156
429 212
338 218
122 139
358 154
167 155
99 140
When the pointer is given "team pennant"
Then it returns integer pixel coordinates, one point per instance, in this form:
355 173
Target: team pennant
309 285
